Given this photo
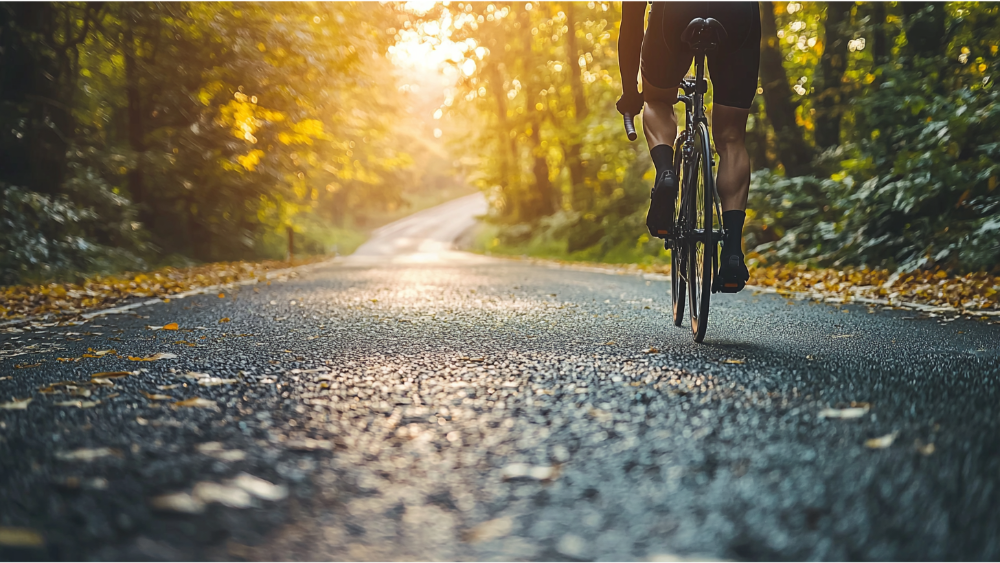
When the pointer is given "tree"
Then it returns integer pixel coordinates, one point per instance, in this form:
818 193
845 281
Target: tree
827 99
925 30
792 150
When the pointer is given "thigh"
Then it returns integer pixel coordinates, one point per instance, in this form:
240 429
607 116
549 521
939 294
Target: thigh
734 73
664 60
653 94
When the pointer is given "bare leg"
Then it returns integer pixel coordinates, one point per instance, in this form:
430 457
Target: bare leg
729 126
659 122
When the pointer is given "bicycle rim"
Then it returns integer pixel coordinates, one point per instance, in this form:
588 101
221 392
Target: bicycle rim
701 247
677 264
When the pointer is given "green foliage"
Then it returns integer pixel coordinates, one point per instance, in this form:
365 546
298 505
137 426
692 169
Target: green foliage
915 186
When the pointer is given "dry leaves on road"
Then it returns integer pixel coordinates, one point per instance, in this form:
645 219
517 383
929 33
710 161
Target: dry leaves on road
198 403
16 404
101 292
20 537
525 471
882 442
154 357
856 410
78 404
970 293
87 454
234 493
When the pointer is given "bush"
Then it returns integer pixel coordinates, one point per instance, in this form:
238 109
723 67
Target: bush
917 191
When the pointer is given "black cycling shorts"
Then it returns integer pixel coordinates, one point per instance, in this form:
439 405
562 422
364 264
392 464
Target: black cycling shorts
733 67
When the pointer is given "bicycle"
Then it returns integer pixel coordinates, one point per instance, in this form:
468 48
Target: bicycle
694 245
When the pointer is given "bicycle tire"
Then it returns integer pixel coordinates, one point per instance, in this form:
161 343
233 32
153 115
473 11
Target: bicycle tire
678 267
701 243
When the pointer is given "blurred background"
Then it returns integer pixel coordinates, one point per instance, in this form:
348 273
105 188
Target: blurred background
141 135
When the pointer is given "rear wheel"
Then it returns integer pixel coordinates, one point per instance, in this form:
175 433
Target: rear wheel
701 242
678 266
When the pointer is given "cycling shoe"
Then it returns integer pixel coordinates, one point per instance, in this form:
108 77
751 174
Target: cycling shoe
663 198
733 274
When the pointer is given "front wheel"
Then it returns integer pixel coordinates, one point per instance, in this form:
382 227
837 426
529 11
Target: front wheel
701 247
678 265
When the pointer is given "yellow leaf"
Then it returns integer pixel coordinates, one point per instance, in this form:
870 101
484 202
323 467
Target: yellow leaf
224 320
156 396
197 402
222 295
20 537
154 357
16 404
171 326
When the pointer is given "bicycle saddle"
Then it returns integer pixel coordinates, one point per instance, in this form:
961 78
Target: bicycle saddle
704 34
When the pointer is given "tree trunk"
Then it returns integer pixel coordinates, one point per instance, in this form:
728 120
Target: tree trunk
134 113
880 44
581 198
36 91
509 171
544 201
832 63
793 152
925 36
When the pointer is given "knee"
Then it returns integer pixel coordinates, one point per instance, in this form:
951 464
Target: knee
729 141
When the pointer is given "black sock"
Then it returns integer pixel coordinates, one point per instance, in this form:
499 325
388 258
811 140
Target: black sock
663 158
732 221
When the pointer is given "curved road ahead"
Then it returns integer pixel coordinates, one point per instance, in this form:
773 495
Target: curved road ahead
414 402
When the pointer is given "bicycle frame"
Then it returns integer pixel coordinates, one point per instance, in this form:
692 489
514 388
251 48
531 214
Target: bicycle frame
694 113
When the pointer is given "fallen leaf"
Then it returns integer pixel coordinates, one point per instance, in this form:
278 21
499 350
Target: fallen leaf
525 471
609 343
112 374
213 381
651 351
734 362
20 537
850 412
489 530
197 402
24 366
87 454
171 326
309 445
882 441
264 490
226 495
16 404
68 387
216 450
156 396
78 404
154 357
196 375
224 320
222 295
168 387
178 502
924 449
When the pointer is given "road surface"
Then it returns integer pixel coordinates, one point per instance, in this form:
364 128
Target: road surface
415 402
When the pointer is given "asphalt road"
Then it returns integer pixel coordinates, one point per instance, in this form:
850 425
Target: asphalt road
413 402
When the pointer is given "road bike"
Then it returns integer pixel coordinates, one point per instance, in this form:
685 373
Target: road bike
694 245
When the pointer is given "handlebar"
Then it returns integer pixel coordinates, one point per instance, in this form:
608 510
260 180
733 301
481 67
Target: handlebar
630 126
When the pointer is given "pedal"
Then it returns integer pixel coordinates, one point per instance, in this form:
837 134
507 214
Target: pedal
720 285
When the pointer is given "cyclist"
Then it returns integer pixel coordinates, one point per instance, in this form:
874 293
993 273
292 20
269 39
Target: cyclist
664 61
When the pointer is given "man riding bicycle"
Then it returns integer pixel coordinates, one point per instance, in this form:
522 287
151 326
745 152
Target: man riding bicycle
664 60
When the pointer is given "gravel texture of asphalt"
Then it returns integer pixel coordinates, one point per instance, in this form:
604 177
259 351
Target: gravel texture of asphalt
415 402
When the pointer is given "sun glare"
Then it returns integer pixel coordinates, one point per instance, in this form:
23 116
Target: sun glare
426 45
